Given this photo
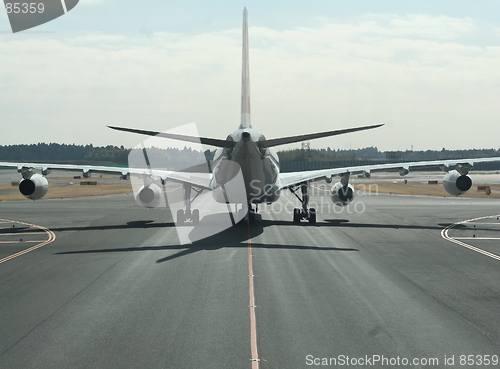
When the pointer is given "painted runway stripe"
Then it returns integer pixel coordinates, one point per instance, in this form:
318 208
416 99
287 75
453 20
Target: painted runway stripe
320 189
31 241
486 223
253 321
444 234
476 238
15 234
50 234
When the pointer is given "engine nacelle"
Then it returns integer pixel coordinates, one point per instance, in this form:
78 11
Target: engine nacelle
456 184
35 187
342 195
149 196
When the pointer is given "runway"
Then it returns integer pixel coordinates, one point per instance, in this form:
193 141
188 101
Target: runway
115 288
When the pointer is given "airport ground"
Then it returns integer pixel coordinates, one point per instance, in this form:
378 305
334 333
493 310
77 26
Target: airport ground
68 184
394 276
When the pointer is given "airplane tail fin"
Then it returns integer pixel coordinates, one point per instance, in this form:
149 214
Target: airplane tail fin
245 84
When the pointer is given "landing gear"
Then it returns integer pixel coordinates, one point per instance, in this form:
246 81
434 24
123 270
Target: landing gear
296 215
305 212
253 215
299 214
185 216
195 216
312 215
181 217
188 215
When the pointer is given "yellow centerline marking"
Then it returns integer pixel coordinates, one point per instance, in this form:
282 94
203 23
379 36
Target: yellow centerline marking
444 234
253 320
51 238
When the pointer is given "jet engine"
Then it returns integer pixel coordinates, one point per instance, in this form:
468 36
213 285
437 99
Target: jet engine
149 196
456 184
342 195
35 187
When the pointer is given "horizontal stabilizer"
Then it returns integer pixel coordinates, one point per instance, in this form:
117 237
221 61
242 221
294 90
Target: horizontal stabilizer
312 136
204 140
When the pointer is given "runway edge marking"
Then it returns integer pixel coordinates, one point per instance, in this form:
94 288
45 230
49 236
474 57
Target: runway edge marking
444 234
51 238
253 321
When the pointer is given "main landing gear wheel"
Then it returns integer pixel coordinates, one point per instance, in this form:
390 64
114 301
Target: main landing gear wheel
298 215
195 216
188 216
253 216
306 212
312 216
180 217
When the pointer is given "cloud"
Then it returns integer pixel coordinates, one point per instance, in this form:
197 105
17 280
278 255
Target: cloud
419 72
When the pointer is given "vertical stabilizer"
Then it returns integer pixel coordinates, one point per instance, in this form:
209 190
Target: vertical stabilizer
245 83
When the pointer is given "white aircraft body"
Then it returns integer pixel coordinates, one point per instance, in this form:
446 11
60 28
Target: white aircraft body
259 164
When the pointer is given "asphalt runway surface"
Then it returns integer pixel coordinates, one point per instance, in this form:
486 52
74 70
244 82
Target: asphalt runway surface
115 289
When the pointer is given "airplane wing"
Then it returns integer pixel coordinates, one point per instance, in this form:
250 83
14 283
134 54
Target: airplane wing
201 180
294 178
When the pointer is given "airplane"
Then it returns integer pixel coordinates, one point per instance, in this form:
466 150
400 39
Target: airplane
254 155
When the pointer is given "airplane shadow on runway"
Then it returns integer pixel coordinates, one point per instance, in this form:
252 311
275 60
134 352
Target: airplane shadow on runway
340 223
142 224
132 224
233 237
237 236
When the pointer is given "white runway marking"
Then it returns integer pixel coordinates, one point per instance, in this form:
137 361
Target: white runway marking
15 234
487 223
20 242
476 238
50 234
446 236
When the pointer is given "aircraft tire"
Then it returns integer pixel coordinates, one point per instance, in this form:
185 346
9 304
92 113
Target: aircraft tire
296 215
195 216
312 216
181 218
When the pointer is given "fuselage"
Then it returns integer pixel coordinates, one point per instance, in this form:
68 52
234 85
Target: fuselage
259 166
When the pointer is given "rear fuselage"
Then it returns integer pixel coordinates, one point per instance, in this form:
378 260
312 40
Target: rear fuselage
259 166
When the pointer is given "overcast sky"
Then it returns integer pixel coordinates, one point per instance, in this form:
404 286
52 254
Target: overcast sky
430 70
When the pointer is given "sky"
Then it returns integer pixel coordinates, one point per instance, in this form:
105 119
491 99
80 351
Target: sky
429 70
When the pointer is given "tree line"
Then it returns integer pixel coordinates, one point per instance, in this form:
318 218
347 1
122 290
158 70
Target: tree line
96 155
114 155
372 153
